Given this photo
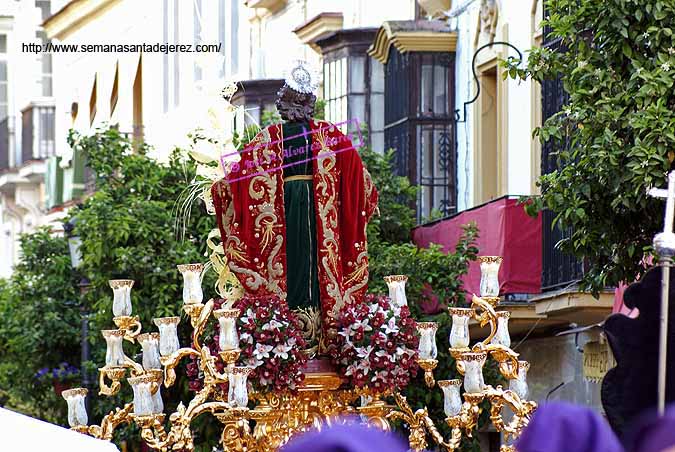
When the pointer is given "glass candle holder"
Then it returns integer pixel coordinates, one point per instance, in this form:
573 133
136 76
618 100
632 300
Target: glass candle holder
237 395
168 334
143 400
459 333
121 296
502 336
77 412
452 402
489 275
396 284
150 345
114 353
228 338
192 283
157 402
519 385
473 371
427 346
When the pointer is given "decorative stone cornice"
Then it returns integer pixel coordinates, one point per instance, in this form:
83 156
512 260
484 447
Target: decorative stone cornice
272 6
412 36
318 26
74 15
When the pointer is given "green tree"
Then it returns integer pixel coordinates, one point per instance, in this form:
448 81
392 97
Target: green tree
615 137
40 326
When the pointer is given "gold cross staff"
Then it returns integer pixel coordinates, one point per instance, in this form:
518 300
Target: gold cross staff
664 243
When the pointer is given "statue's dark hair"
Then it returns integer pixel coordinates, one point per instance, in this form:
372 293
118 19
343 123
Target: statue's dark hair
293 105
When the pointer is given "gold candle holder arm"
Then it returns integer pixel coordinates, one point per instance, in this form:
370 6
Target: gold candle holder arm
115 375
199 315
111 421
208 364
170 362
131 326
136 369
487 315
417 438
522 411
506 358
428 365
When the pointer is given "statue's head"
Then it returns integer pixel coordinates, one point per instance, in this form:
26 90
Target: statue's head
295 106
296 99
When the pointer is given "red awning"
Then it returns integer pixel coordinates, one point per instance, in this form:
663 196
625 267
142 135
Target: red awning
505 230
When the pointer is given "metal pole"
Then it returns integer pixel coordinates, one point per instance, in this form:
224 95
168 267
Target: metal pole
663 333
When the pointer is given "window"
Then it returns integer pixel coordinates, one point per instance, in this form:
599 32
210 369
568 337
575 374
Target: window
353 83
419 125
45 58
335 91
228 35
171 62
165 57
176 55
197 35
4 89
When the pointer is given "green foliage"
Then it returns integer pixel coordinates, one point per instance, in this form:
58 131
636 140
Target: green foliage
434 277
616 139
40 325
128 230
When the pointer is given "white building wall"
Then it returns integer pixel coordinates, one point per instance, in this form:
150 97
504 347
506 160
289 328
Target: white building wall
514 26
21 199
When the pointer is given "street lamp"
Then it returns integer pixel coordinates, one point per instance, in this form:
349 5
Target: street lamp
74 247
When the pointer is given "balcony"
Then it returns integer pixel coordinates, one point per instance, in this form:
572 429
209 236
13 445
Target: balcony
537 281
37 132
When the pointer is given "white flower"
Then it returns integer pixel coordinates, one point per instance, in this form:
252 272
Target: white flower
665 67
246 337
390 326
671 50
645 35
364 352
362 323
582 64
261 351
281 350
272 325
383 354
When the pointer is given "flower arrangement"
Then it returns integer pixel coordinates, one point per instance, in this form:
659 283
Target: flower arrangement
271 341
376 344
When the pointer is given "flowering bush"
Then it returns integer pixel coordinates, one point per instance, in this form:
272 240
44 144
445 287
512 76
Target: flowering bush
65 372
376 344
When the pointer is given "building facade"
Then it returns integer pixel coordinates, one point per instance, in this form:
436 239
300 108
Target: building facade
26 123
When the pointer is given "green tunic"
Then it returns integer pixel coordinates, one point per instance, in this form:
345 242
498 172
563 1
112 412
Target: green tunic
301 240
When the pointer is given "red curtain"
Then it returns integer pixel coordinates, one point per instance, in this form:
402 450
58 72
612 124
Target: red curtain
505 230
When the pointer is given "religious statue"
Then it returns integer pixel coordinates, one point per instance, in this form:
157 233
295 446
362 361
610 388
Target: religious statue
293 211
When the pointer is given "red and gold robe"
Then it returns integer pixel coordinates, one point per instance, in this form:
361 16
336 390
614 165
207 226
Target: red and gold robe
249 206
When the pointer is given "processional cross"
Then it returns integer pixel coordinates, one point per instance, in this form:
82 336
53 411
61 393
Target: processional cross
664 243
